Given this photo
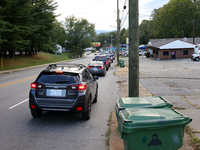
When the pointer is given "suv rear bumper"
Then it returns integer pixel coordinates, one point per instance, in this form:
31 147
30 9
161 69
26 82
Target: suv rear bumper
45 104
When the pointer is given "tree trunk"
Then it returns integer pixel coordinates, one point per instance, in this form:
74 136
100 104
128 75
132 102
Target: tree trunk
29 51
10 54
26 52
32 50
20 52
36 51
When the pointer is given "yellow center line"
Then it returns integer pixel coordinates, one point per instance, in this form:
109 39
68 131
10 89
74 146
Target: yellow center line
17 81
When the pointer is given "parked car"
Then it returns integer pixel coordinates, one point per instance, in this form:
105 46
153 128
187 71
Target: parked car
140 52
109 60
67 87
103 59
196 56
113 55
97 68
110 57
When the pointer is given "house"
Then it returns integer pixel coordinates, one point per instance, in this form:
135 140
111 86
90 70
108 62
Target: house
172 48
58 48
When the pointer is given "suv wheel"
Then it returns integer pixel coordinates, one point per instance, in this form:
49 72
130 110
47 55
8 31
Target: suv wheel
36 113
197 58
86 115
96 96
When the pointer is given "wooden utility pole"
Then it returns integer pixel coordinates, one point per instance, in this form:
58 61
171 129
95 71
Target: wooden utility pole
193 32
118 32
133 49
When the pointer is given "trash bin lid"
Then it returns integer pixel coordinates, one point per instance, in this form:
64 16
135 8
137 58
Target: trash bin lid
145 102
136 119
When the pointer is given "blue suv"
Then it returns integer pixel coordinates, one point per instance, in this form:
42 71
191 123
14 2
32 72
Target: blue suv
68 87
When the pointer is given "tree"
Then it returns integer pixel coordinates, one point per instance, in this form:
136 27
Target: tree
26 25
58 34
104 39
122 38
144 32
175 18
79 33
14 14
126 34
42 25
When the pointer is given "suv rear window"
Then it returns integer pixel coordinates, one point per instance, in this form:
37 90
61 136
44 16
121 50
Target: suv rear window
100 58
52 77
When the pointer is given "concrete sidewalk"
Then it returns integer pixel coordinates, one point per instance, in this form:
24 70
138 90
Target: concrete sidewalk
116 143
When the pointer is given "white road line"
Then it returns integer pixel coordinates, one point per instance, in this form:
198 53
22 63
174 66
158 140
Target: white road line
19 103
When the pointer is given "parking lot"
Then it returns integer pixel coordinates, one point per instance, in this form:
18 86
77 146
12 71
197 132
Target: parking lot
175 80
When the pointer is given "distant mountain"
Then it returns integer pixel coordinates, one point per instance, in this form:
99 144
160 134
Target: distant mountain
101 31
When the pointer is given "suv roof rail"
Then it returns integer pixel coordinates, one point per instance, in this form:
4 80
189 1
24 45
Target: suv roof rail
54 66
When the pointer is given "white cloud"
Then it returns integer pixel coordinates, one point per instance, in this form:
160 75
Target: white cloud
103 12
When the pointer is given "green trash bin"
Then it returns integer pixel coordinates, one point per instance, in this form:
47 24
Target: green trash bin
152 129
144 102
121 62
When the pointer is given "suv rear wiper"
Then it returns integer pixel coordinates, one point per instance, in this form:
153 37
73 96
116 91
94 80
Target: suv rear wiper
63 81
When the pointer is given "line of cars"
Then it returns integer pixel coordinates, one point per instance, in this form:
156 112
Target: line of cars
63 87
68 87
101 63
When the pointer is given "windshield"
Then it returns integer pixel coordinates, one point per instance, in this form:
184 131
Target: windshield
100 58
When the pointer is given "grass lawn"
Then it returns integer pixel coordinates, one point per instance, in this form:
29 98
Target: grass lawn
27 61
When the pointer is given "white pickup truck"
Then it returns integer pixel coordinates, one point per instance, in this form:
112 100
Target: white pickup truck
196 56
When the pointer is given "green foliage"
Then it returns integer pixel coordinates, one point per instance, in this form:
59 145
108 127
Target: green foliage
79 33
122 37
25 25
144 32
175 19
105 38
147 54
58 34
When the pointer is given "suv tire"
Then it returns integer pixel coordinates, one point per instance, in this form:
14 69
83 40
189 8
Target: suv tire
86 115
197 58
96 96
36 113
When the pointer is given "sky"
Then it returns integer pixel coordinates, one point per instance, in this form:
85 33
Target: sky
103 12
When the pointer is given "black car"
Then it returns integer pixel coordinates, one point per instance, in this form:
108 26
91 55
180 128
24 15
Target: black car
68 87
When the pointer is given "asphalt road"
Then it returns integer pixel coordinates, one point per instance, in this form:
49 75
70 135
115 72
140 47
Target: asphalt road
54 130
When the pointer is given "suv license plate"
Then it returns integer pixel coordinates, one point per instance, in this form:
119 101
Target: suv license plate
56 92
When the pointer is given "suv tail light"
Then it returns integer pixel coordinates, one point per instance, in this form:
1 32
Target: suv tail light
59 72
101 67
79 87
36 86
89 67
106 62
